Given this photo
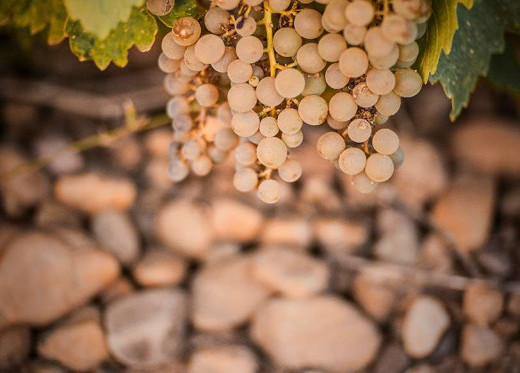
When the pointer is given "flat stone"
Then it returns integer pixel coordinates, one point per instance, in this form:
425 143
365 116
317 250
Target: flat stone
482 304
480 345
223 359
15 346
160 268
376 297
340 236
235 221
289 231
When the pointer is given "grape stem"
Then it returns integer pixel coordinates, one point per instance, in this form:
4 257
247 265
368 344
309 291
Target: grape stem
268 23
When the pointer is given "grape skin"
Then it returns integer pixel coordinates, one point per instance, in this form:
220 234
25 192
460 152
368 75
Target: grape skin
353 62
342 106
380 81
352 161
290 171
268 127
269 191
313 110
242 97
362 183
271 152
267 94
379 168
289 83
330 145
359 130
307 24
245 124
289 121
309 59
286 42
385 141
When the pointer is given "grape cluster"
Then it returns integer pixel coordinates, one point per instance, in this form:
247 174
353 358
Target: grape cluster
253 72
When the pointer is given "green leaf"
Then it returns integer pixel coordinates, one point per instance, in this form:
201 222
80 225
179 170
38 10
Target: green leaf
439 35
479 36
140 29
504 70
99 17
182 8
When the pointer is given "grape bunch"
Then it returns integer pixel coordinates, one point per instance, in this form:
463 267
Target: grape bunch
252 73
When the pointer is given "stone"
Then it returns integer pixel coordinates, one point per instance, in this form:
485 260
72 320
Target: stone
223 359
65 162
127 152
51 213
340 236
392 359
147 329
488 145
91 192
156 173
42 278
513 305
466 210
78 346
15 346
434 254
421 369
159 268
399 238
118 289
116 233
482 304
480 345
323 332
291 273
424 324
235 221
288 231
225 294
185 227
376 297
415 183
156 143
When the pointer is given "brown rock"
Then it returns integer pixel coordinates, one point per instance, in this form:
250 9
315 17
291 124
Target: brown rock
292 273
156 172
376 297
184 227
488 145
223 359
52 213
480 345
290 231
482 303
79 346
159 268
92 193
234 221
15 346
118 289
466 211
425 322
42 278
321 332
435 255
513 305
116 234
146 329
391 360
40 366
339 236
225 294
399 238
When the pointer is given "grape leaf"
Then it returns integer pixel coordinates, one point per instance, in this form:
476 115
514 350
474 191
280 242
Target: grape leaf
439 35
182 8
504 69
140 29
480 35
99 17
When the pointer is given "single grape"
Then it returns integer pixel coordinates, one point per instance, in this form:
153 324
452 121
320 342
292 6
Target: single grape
186 31
289 121
175 86
294 140
279 5
242 97
177 170
359 12
352 161
182 123
307 23
227 4
225 139
290 171
245 179
309 59
245 154
222 64
334 16
354 35
167 65
336 124
397 157
398 29
362 183
408 82
388 104
267 94
380 119
268 127
418 10
363 96
380 81
216 155
269 191
271 152
186 71
256 138
313 110
315 84
385 62
408 55
359 130
170 48
379 168
330 145
335 78
206 95
192 61
289 83
250 49
245 124
286 42
160 7
331 46
353 62
202 165
385 141
191 149
239 71
176 106
253 2
342 106
376 44
247 27
216 20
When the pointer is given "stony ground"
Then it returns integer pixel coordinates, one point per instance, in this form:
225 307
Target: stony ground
105 266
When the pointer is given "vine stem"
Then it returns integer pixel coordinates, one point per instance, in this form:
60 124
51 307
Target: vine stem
268 23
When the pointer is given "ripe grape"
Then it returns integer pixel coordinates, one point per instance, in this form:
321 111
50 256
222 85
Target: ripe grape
247 27
385 62
186 31
289 83
250 49
269 191
289 121
385 141
307 23
294 140
159 7
245 154
167 65
330 145
206 95
309 59
256 138
336 124
227 4
267 94
398 29
202 165
352 161
334 19
353 62
408 54
239 71
176 106
271 152
216 20
242 97
177 170
192 61
290 171
335 78
225 139
379 168
376 44
313 110
342 106
175 86
354 35
279 5
397 157
359 130
182 123
331 46
363 96
170 48
268 127
362 183
412 9
315 84
408 82
286 42
388 104
245 179
380 81
222 64
191 149
359 12
245 124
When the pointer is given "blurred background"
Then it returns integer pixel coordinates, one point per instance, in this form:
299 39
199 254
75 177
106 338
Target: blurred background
106 266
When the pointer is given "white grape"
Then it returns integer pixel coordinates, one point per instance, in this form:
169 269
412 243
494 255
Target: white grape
177 170
239 71
362 183
289 121
385 141
398 29
380 81
413 9
388 104
334 16
379 168
227 4
245 154
309 59
315 84
209 49
245 124
331 46
397 157
250 49
294 140
268 127
206 95
376 44
336 124
176 106
216 20
289 83
330 145
279 5
342 106
353 62
182 123
408 82
217 155
224 113
286 42
352 161
267 94
385 62
242 97
256 138
245 179
186 31
170 48
363 96
167 65
359 130
335 78
159 7
408 54
225 139
202 165
191 149
175 86
290 171
307 23
192 61
186 71
269 191
313 110
247 27
271 152
360 12
223 63
354 35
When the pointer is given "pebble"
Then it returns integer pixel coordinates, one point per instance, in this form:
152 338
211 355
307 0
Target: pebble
287 231
91 192
435 255
223 359
118 289
424 324
127 152
78 346
116 233
417 184
146 329
64 163
482 304
513 305
399 238
377 298
157 143
225 294
340 236
392 359
488 145
235 221
42 278
15 346
466 210
480 345
159 268
291 273
185 227
323 332
51 213
156 173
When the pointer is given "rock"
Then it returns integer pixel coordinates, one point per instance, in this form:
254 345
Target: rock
482 303
399 238
513 305
184 227
376 297
466 210
39 366
116 234
340 236
127 152
391 360
20 191
225 294
157 142
64 163
221 250
417 184
435 255
146 329
52 213
318 190
291 273
421 369
159 268
480 345
78 346
92 193
223 359
290 231
42 278
7 233
118 289
235 221
15 346
425 322
488 145
323 332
